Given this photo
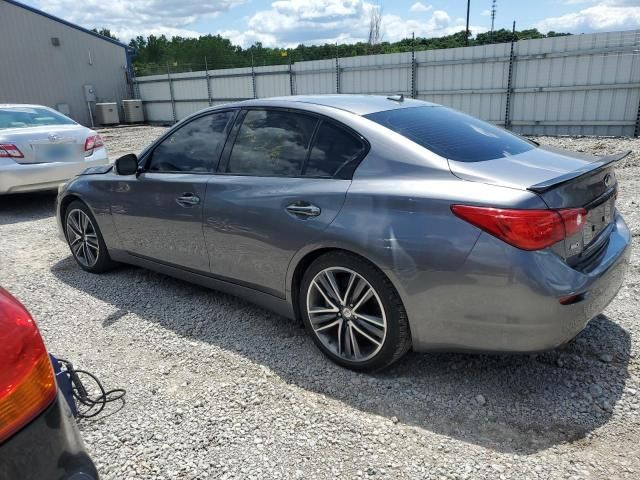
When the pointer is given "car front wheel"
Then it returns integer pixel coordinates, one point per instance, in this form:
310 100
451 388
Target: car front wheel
85 240
353 312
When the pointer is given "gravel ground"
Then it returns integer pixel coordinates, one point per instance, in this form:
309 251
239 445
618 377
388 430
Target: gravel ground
218 388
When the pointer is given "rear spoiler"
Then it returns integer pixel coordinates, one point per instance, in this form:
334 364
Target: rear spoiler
598 164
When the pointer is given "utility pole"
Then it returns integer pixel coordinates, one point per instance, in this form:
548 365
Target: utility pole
413 65
253 77
337 70
507 112
493 17
466 38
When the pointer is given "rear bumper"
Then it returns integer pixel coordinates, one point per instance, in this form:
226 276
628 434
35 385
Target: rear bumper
48 447
16 178
507 300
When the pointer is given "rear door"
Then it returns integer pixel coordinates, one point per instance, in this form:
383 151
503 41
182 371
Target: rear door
282 180
158 214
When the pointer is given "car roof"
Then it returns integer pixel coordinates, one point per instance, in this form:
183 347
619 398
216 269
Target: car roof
358 104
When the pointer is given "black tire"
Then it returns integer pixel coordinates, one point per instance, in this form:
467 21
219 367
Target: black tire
397 340
102 261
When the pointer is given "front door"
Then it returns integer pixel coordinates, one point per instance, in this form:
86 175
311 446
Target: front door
158 214
282 182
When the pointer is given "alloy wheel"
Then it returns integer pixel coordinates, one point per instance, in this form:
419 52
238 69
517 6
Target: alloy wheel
346 314
82 237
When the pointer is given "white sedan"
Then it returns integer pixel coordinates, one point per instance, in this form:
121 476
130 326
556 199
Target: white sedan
41 148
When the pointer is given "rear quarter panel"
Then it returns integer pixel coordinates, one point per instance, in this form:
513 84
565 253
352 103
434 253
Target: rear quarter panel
397 214
407 229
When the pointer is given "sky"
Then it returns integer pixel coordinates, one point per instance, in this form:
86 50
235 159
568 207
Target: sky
287 23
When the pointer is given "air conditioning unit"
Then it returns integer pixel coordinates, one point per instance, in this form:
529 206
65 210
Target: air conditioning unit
107 113
133 111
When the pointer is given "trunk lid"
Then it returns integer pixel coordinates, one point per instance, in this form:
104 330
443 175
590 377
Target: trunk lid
48 143
562 179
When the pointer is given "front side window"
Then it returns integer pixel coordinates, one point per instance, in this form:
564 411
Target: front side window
24 117
335 152
271 143
194 147
452 134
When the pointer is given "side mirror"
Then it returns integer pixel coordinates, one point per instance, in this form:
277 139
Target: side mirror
127 164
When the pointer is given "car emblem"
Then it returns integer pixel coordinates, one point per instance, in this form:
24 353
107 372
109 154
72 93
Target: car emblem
607 180
53 138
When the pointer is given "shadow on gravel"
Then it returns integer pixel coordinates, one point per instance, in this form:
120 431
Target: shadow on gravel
509 403
22 207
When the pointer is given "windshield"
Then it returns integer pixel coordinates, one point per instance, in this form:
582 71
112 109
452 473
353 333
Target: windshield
23 117
452 134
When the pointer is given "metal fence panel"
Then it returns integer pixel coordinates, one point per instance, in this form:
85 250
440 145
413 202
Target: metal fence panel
158 112
231 84
470 79
315 77
272 81
184 109
579 84
190 88
150 92
376 74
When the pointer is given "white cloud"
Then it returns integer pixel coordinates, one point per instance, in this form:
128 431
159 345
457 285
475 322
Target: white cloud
129 18
614 15
420 7
440 24
285 23
486 13
291 22
312 22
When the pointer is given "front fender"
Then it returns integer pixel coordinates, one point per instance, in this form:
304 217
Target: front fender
92 190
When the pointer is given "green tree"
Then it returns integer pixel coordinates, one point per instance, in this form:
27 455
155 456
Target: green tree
105 32
190 54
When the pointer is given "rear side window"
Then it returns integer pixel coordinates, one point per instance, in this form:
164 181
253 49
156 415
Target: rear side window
194 147
335 152
451 134
271 142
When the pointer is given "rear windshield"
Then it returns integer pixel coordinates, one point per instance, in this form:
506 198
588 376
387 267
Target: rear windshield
451 134
22 117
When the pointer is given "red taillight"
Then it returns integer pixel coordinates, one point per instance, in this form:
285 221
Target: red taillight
9 150
574 219
93 142
525 229
27 382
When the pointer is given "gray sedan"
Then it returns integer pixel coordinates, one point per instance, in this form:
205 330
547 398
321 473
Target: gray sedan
383 223
40 148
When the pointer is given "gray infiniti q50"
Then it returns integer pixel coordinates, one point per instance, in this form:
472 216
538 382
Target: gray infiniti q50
383 223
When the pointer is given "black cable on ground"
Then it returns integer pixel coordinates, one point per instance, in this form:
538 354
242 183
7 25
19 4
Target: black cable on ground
88 403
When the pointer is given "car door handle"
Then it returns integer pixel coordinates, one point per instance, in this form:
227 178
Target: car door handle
304 209
188 200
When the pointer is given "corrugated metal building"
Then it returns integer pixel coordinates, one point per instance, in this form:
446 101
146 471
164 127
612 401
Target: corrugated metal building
49 61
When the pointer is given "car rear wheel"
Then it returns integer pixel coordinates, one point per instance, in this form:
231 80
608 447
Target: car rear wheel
353 312
85 240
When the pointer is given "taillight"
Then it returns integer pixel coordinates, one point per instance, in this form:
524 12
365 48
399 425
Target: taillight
574 219
27 383
524 229
91 143
9 150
